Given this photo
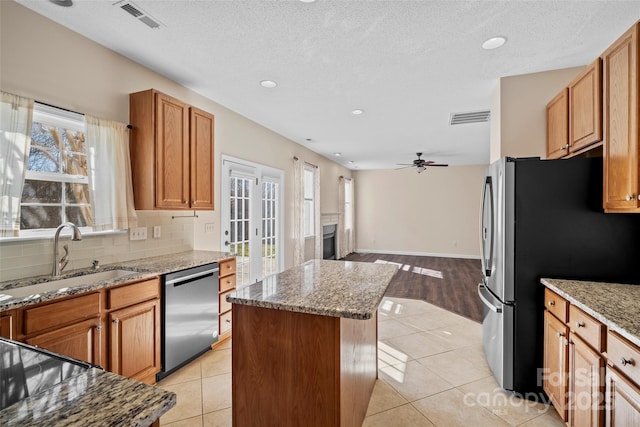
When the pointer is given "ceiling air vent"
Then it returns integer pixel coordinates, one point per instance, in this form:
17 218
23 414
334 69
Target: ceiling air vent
138 13
472 117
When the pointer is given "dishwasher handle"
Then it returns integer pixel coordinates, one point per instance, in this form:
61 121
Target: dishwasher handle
191 277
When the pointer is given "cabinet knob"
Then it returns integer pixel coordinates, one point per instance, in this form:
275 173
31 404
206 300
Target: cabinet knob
560 334
116 321
552 303
98 327
229 321
580 324
184 202
625 362
631 197
193 202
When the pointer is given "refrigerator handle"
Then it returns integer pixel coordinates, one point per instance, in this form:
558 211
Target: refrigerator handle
487 219
481 291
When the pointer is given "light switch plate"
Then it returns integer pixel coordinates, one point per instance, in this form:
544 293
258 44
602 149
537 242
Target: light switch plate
138 233
156 231
208 227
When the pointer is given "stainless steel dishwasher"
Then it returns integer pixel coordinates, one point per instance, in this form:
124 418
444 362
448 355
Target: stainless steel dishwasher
189 315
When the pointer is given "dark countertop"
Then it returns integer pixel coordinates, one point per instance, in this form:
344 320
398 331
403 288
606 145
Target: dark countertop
615 305
327 288
40 388
141 269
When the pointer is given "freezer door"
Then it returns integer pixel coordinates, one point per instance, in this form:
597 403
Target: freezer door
497 336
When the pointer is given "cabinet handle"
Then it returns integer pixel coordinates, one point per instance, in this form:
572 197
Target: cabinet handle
625 362
552 303
580 324
116 321
560 334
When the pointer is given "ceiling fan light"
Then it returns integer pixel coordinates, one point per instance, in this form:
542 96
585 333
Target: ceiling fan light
421 169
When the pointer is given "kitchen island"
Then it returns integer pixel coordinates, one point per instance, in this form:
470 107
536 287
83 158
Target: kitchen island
304 350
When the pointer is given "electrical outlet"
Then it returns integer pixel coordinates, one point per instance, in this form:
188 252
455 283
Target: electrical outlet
138 233
156 231
208 227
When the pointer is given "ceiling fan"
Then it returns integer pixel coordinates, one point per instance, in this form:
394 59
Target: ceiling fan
420 164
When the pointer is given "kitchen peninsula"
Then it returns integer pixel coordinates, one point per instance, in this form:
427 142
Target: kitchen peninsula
304 349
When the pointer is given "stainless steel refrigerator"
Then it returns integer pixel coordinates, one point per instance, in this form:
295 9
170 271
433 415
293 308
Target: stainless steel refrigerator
543 218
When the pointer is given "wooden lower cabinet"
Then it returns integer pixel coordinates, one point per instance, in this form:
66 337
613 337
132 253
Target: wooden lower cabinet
227 285
623 401
586 385
555 363
134 341
80 341
7 322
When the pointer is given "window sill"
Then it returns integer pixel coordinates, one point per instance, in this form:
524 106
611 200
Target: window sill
49 234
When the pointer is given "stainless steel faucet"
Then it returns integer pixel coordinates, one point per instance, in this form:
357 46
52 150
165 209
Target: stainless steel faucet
59 265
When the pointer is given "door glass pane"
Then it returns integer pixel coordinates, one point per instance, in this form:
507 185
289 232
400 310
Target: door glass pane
269 235
239 226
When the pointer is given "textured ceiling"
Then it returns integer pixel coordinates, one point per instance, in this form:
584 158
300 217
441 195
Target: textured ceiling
408 64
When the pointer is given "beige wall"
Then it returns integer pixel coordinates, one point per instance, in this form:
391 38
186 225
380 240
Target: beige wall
432 213
522 118
45 61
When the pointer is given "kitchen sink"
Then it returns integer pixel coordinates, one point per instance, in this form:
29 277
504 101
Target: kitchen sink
64 284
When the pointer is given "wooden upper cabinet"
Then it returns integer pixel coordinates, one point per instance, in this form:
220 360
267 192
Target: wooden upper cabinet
620 93
585 107
557 125
171 146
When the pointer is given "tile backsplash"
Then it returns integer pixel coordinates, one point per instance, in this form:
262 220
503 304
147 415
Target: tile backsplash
35 257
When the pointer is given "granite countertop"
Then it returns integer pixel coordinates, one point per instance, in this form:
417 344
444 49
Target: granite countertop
615 305
92 398
327 288
142 268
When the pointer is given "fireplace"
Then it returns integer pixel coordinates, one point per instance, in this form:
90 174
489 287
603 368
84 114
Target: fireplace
329 241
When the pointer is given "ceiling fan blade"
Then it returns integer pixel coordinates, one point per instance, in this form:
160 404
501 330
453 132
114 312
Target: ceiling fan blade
436 164
404 167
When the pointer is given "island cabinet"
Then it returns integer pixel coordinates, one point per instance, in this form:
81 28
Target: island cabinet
227 284
623 382
133 316
573 362
621 74
171 145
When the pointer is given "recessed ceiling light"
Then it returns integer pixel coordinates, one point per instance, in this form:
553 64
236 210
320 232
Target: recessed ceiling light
309 140
351 162
269 84
307 1
63 3
337 154
357 112
494 42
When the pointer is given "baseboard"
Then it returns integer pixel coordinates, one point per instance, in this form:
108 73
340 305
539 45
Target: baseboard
376 251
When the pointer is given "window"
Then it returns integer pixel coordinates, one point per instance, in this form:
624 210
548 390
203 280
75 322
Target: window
309 203
56 186
348 208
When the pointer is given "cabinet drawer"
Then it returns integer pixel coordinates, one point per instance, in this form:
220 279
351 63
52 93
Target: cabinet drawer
60 313
227 283
225 322
587 328
134 293
224 305
557 305
227 267
618 349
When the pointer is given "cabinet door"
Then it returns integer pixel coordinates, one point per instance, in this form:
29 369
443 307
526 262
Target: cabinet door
134 340
7 321
558 125
555 363
172 153
620 87
201 129
623 401
586 385
585 107
80 341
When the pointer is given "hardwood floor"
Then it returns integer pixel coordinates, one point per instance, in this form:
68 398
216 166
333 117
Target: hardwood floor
450 283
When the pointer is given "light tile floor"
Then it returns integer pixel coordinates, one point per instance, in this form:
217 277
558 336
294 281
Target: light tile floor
432 372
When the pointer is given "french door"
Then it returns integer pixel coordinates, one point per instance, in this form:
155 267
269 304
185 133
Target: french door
251 218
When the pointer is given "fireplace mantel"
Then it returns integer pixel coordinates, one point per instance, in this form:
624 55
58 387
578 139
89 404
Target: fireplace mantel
329 218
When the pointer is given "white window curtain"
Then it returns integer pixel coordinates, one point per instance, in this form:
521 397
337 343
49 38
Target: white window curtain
16 115
317 221
110 175
345 234
298 211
